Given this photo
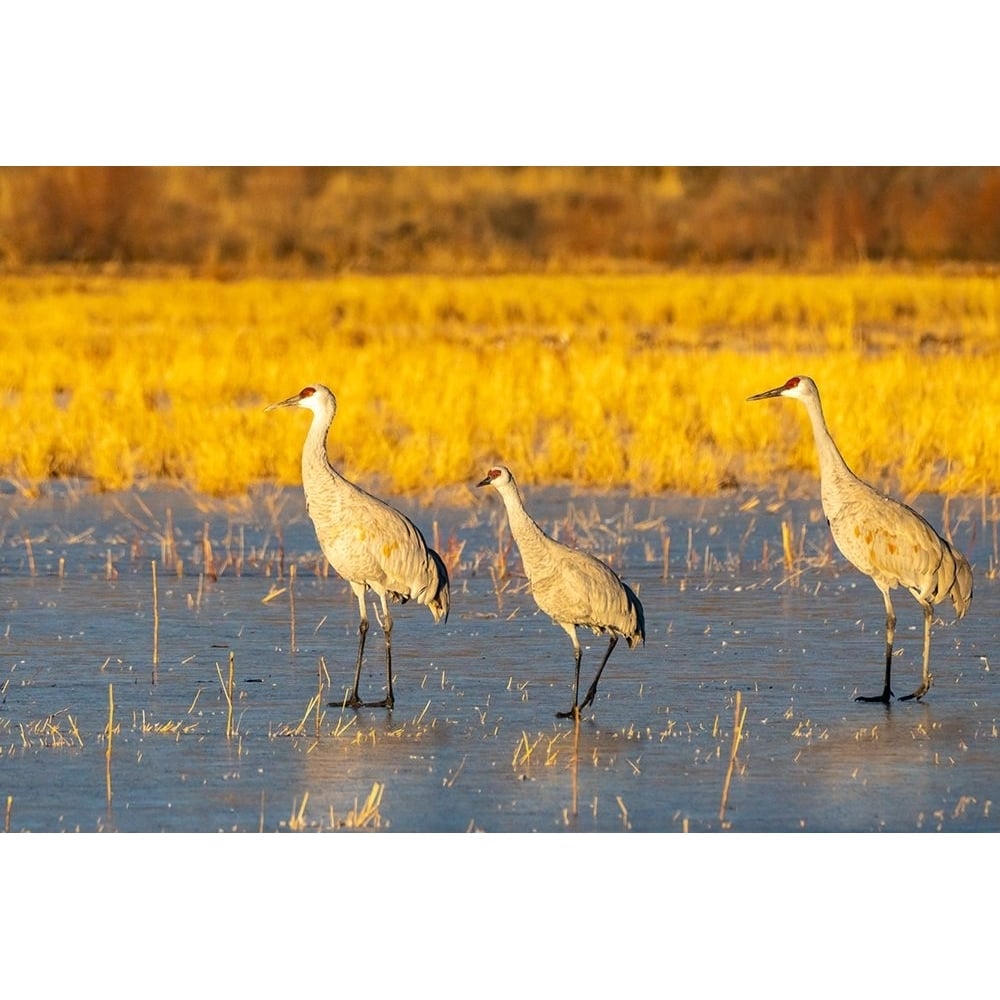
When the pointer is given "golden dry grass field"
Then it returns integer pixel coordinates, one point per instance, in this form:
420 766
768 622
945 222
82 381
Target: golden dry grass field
634 381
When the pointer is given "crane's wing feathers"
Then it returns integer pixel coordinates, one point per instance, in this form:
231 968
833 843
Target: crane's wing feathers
896 546
368 541
574 587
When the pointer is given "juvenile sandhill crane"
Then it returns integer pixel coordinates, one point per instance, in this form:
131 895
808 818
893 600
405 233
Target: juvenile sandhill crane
571 587
882 537
367 542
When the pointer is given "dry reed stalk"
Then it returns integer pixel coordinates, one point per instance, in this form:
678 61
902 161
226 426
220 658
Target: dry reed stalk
231 692
366 815
227 689
665 536
107 749
8 812
738 720
996 549
786 544
624 811
169 548
300 729
297 820
502 550
156 623
499 587
31 555
291 604
208 557
320 670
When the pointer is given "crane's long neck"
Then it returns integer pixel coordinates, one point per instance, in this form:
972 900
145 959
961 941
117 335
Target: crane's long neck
316 466
834 472
530 538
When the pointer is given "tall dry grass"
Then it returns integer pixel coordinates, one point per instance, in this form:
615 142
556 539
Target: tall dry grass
635 381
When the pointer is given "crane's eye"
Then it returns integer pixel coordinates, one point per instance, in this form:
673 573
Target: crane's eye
307 391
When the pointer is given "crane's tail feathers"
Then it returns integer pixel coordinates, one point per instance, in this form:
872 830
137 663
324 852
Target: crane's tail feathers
635 640
438 597
638 633
954 579
961 588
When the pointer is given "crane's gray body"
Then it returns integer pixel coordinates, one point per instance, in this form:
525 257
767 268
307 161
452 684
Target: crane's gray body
368 542
572 587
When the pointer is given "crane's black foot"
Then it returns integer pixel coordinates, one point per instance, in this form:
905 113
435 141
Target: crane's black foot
573 713
885 697
920 692
384 703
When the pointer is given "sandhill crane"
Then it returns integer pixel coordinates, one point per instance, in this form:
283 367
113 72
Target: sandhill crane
367 542
570 586
885 539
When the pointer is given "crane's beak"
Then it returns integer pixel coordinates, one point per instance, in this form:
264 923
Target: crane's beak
291 401
485 482
767 395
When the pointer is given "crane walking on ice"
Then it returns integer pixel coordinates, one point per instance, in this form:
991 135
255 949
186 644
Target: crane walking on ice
367 542
885 539
570 586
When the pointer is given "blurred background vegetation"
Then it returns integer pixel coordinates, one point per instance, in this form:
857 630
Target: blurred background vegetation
238 221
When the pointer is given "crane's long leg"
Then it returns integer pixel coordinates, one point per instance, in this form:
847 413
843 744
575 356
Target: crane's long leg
890 633
388 701
927 680
592 690
354 700
574 712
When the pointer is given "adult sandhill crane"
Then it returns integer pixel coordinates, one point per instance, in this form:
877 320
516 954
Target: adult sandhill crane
570 586
367 542
882 537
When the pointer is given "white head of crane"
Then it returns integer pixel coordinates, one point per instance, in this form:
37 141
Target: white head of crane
317 398
798 387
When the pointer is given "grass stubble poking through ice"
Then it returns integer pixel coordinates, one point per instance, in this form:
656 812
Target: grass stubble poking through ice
210 710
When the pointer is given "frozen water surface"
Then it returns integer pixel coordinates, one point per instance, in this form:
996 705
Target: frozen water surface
473 742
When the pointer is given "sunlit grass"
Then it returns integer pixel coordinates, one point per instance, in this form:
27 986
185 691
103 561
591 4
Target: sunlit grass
365 815
54 731
636 381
